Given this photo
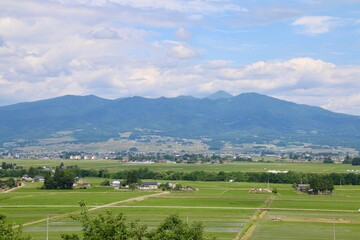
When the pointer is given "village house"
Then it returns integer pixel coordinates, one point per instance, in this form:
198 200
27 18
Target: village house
149 186
26 178
39 179
303 187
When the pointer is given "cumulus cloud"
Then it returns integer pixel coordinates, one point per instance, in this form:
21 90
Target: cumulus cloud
114 48
316 24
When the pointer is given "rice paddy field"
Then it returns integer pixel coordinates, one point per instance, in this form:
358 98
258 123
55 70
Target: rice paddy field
113 166
227 210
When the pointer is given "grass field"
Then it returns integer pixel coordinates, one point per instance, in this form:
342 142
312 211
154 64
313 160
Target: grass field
224 208
113 166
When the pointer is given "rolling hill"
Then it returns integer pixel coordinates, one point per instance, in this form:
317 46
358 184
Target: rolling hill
248 117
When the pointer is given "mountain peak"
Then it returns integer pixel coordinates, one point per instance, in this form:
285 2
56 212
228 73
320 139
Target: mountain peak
219 94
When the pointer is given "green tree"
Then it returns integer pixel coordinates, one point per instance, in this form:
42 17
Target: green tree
107 227
115 227
32 172
132 186
105 183
355 161
173 228
347 160
132 177
8 232
321 183
70 237
328 160
62 179
11 183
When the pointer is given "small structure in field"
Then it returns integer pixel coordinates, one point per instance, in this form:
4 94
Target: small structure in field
260 190
116 184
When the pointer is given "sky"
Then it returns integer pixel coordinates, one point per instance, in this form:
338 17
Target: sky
305 51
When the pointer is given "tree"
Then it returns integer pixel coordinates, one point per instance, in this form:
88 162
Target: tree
32 172
8 232
11 183
132 177
70 237
132 186
105 183
347 160
355 161
114 227
173 228
321 183
328 160
62 179
107 226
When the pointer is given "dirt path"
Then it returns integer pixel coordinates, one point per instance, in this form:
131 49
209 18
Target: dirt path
248 230
57 217
13 189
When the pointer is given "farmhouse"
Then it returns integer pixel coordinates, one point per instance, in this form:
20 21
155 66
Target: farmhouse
149 186
303 187
39 179
85 184
26 178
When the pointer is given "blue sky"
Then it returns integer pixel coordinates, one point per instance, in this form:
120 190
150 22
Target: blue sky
306 51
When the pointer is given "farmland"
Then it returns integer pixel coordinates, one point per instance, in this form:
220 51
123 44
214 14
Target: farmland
224 208
113 166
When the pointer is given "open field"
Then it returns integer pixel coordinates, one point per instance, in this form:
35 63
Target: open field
224 208
113 166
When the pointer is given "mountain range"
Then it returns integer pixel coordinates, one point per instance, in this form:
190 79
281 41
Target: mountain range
248 117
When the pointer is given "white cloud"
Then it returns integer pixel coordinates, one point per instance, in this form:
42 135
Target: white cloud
316 24
122 48
182 51
105 33
182 34
201 6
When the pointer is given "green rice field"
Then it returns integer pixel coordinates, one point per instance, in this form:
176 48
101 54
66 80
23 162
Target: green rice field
113 166
225 209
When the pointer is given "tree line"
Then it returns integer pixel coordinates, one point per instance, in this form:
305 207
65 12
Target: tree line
145 173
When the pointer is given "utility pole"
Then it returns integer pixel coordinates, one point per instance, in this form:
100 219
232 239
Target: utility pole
47 227
340 182
334 230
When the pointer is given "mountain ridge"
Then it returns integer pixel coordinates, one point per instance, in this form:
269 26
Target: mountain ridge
247 117
219 94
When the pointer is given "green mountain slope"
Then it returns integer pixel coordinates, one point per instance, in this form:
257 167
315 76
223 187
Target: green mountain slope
247 117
